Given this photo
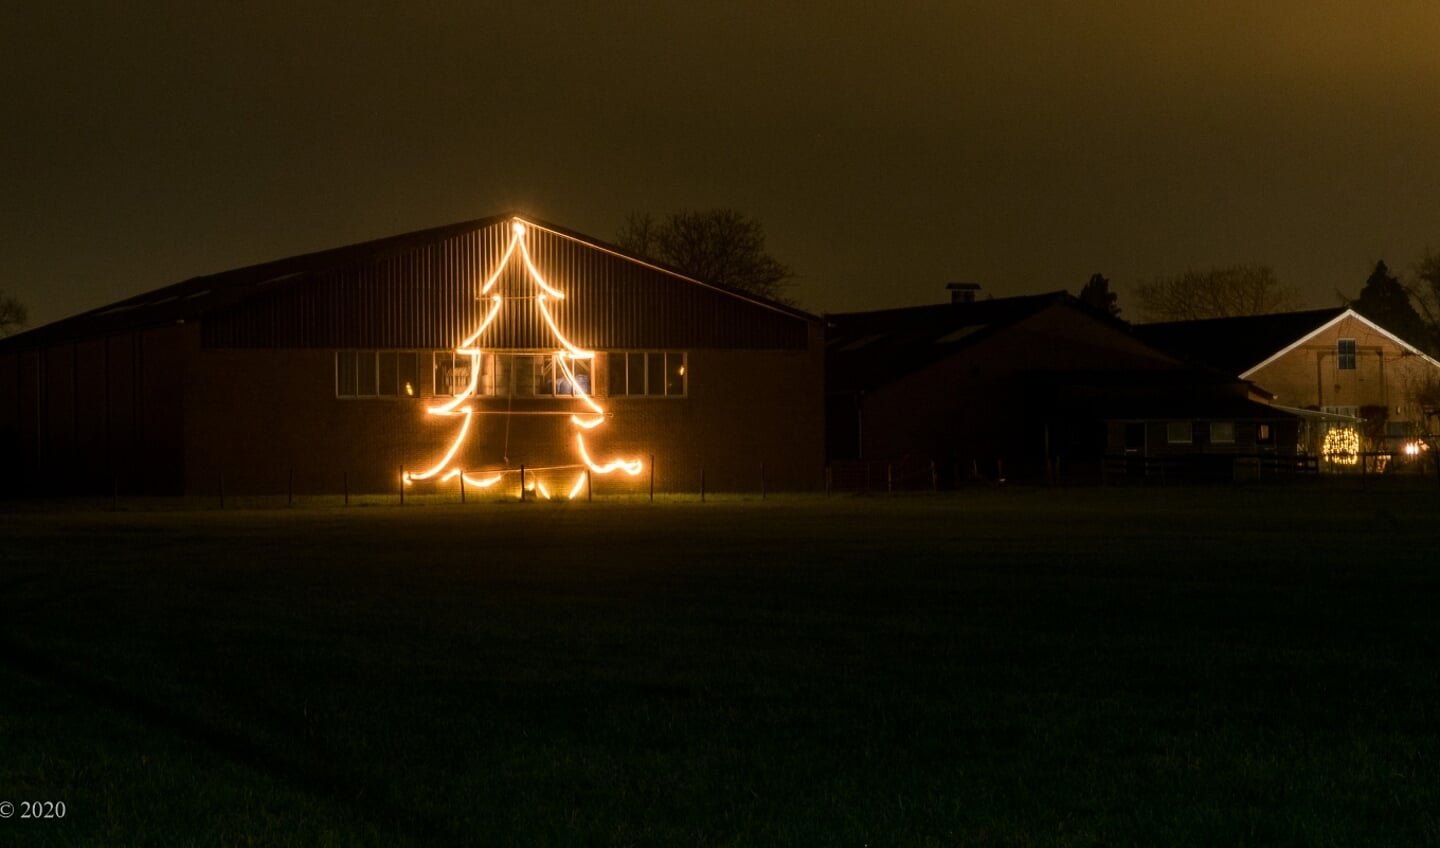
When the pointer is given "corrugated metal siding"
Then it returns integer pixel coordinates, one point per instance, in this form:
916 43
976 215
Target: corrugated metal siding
427 298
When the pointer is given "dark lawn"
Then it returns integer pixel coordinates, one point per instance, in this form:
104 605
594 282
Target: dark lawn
1201 667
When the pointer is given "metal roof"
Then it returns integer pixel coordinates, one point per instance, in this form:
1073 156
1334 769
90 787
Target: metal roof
222 293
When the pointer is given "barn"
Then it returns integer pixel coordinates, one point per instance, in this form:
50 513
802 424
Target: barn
452 356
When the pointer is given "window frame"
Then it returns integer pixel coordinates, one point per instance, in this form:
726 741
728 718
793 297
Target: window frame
663 374
1170 432
1345 359
357 357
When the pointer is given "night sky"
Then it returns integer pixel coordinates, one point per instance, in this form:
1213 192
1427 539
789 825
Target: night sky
888 149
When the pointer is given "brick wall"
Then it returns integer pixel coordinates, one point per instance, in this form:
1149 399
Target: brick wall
1385 375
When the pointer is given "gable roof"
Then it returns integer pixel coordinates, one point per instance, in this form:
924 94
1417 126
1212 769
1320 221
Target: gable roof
1236 345
1242 346
865 350
212 294
1348 313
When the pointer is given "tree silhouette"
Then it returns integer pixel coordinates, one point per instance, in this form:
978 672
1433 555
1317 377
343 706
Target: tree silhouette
1216 293
1097 294
1386 301
719 246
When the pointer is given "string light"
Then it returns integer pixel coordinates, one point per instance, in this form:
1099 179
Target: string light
1341 446
470 347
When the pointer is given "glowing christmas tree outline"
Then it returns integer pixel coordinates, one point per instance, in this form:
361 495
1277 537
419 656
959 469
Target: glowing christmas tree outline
469 347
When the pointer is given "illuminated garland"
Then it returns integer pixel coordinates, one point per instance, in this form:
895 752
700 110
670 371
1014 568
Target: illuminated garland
1342 446
470 347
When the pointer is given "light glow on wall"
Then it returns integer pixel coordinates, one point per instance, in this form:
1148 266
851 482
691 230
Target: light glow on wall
471 347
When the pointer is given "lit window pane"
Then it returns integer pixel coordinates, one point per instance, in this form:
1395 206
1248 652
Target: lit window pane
1222 432
1179 432
580 368
524 377
547 374
485 385
408 374
444 369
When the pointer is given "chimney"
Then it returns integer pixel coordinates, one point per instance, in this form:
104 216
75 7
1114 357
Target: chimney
962 292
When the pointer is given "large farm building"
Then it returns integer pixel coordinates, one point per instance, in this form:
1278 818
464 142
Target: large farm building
458 353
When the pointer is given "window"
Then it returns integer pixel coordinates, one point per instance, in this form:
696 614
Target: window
1346 354
371 373
520 375
648 373
1264 435
580 370
1180 432
345 373
452 373
1222 432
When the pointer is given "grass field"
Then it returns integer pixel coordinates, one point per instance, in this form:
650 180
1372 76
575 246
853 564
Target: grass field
1011 667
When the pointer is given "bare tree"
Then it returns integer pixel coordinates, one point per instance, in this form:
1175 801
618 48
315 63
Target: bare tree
1425 294
14 317
719 246
1216 293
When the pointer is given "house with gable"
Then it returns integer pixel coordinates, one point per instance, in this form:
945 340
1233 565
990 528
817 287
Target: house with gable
1333 367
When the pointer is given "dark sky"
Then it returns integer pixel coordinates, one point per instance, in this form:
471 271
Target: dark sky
888 149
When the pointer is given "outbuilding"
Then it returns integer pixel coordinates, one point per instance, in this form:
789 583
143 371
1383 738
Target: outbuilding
459 353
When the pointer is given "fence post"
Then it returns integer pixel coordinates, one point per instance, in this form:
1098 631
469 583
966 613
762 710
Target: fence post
290 487
934 478
828 480
590 484
402 485
762 481
889 478
222 489
347 488
522 482
114 494
702 485
652 478
462 487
